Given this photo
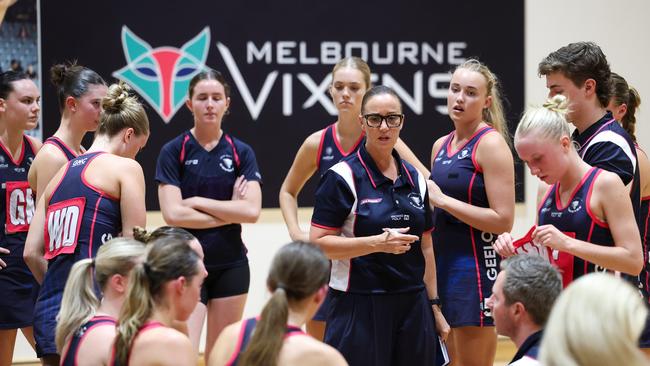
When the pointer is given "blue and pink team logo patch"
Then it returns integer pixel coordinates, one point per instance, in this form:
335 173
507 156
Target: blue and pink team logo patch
162 75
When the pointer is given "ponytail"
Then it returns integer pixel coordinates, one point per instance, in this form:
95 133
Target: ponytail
167 258
298 271
79 302
622 93
629 119
266 342
137 308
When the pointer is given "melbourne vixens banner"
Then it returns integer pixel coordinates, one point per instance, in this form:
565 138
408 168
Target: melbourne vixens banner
278 56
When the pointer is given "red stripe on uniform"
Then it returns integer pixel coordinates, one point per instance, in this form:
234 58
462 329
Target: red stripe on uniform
240 340
408 174
324 227
367 170
182 155
594 218
591 231
234 150
645 250
92 227
320 147
471 234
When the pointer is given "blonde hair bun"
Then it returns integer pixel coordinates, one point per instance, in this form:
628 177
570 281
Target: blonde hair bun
557 103
117 94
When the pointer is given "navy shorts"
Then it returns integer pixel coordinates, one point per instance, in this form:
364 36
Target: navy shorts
462 296
45 312
16 300
382 330
226 282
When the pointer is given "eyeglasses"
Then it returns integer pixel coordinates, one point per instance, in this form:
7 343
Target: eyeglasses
374 120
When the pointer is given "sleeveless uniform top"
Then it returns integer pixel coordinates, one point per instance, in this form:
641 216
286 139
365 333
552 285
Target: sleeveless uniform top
355 197
79 219
184 163
70 356
16 198
147 326
465 260
16 212
607 145
575 220
245 334
330 151
65 149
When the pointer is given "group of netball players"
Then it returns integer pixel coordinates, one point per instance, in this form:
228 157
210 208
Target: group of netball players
403 258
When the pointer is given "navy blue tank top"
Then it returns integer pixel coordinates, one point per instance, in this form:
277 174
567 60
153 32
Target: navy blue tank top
79 219
330 150
459 246
16 212
575 220
245 334
70 356
16 200
65 149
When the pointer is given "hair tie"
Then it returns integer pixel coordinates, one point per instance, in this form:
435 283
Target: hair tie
281 286
147 269
92 263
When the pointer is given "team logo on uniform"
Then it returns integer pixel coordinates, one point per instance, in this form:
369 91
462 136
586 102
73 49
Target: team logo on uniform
370 200
192 162
106 237
226 163
575 205
439 155
328 153
416 200
547 205
486 309
162 75
463 154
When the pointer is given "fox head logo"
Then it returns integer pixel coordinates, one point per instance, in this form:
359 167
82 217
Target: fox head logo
162 75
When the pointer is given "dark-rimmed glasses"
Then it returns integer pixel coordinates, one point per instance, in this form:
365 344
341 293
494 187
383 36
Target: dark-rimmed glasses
374 120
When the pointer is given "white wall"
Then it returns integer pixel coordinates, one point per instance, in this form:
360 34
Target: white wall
621 28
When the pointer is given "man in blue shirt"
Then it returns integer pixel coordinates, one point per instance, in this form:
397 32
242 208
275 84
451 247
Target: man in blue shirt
521 301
